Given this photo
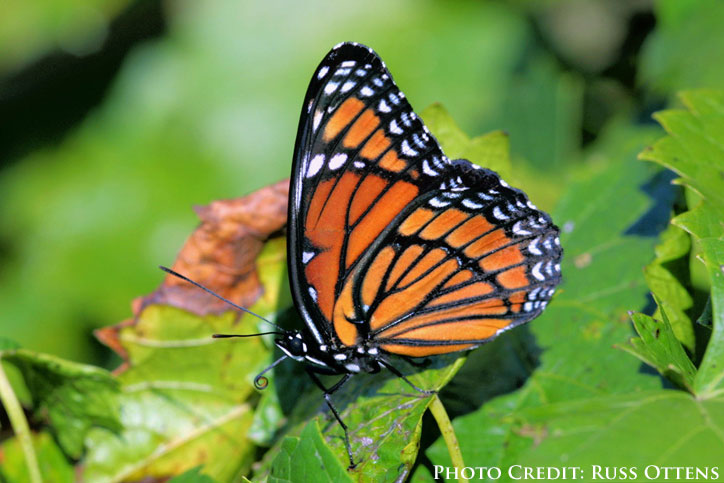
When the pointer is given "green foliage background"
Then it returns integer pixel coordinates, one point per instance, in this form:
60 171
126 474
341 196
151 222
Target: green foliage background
116 119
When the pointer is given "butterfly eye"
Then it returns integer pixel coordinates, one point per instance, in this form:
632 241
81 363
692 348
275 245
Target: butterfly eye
296 346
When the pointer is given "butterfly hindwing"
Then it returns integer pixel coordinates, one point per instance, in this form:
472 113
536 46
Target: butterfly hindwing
466 262
389 239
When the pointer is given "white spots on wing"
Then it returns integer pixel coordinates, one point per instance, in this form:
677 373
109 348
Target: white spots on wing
348 63
360 72
519 230
366 91
337 161
440 163
498 213
456 184
373 351
502 182
317 119
352 367
315 165
557 241
528 306
550 268
309 105
347 86
342 72
427 169
359 164
533 247
536 272
313 293
534 293
418 141
407 150
394 128
405 117
306 256
438 203
340 357
394 98
468 203
322 72
378 82
331 87
383 106
531 205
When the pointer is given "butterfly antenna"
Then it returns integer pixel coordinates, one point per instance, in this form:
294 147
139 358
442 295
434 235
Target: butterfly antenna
260 381
243 309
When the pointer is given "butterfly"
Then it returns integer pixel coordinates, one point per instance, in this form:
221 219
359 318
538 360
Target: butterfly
394 249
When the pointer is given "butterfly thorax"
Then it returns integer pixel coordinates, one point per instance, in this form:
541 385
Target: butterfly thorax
328 358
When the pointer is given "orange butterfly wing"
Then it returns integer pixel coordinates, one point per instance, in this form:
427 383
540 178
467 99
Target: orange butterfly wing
389 241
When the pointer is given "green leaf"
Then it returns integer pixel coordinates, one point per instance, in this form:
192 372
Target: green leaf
602 280
694 149
193 475
74 397
187 399
54 466
664 427
184 398
384 417
710 378
307 459
491 151
670 293
658 347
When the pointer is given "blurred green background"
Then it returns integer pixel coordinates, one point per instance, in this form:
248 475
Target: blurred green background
117 117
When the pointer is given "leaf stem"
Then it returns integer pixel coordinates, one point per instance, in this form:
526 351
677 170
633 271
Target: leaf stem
448 434
19 424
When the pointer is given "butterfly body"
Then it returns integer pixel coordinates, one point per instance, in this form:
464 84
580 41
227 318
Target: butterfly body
329 359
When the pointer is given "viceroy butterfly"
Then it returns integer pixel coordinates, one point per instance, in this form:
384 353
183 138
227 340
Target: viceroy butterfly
393 249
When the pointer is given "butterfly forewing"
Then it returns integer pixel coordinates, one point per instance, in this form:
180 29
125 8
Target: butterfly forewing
391 242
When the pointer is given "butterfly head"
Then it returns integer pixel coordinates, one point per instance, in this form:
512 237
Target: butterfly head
292 343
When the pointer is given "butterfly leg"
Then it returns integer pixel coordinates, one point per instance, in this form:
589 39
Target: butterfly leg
328 399
394 370
423 363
